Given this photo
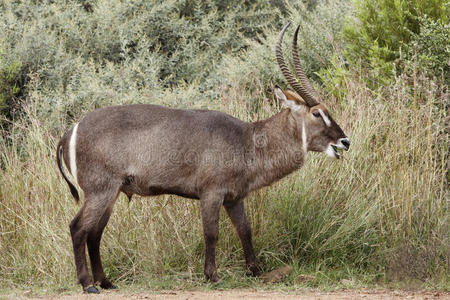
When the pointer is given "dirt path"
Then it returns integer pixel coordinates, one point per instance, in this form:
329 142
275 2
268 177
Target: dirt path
253 294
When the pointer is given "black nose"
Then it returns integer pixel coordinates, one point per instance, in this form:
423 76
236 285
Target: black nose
346 143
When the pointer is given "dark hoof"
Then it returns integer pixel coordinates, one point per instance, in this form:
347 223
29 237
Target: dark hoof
253 270
92 290
107 285
213 278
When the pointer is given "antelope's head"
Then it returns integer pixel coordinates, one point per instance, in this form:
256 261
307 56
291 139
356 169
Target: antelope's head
319 131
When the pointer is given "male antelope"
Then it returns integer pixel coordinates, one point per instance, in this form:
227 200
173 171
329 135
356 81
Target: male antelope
201 154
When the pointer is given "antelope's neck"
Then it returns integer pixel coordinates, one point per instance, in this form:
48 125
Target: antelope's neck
277 148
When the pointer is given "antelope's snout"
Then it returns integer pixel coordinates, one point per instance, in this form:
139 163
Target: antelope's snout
344 144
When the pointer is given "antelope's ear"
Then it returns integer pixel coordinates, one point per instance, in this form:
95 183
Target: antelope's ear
281 96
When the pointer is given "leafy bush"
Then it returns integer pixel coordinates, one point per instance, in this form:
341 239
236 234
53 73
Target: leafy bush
190 36
384 29
102 52
12 89
430 47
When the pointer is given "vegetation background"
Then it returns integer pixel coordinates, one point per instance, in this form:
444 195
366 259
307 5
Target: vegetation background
377 217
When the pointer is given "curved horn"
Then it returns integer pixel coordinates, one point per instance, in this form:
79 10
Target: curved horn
299 70
288 75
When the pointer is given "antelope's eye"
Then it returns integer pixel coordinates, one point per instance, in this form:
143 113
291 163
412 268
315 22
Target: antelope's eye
316 114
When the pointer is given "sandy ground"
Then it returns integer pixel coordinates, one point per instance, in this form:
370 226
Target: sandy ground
254 294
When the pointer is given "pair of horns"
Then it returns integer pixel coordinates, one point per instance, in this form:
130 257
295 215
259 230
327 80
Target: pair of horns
305 90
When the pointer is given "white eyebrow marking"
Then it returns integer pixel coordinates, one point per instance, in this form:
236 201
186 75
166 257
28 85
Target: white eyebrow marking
304 141
325 118
72 153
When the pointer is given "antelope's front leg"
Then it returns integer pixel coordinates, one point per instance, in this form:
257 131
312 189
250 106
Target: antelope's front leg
210 209
237 215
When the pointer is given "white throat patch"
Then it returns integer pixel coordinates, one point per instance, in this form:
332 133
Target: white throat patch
325 118
330 152
72 153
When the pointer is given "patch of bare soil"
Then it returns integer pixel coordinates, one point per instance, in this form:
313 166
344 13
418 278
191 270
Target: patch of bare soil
254 294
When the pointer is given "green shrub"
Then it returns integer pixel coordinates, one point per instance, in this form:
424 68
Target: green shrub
190 36
121 52
430 47
12 89
383 29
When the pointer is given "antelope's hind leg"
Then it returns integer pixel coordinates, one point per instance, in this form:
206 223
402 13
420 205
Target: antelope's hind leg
93 243
87 227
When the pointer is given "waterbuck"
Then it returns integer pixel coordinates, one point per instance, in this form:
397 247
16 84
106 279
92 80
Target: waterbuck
201 154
